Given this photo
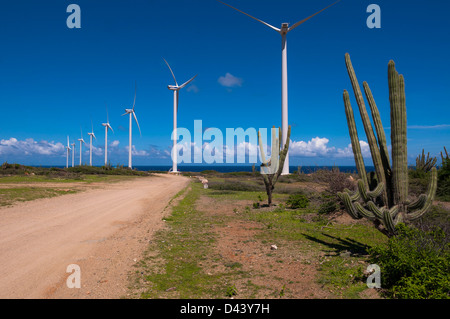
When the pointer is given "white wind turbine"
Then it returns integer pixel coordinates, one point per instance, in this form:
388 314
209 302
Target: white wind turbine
73 154
175 88
284 83
81 145
67 152
131 113
107 126
91 135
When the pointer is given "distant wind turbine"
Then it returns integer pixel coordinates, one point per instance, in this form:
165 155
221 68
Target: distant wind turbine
73 154
91 135
131 113
81 145
67 152
175 88
284 82
107 126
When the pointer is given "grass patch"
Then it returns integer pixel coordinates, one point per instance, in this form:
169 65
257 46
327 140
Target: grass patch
173 264
9 196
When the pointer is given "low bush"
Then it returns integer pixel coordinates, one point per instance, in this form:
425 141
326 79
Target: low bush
328 207
443 185
297 201
414 264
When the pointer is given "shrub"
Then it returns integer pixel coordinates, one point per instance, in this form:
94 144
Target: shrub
297 201
328 207
414 264
443 185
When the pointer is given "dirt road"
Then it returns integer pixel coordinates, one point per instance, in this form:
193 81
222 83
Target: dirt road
102 231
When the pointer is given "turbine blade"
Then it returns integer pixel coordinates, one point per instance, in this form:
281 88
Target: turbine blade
109 126
187 82
171 72
134 102
270 26
306 19
135 118
124 113
107 119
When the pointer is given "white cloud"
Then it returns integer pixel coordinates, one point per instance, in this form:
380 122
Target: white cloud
136 152
114 143
230 80
192 88
318 146
29 146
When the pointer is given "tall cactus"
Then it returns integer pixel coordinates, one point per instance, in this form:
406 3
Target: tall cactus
385 203
271 169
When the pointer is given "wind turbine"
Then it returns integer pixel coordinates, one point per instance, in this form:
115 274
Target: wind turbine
91 135
67 152
81 145
285 28
73 154
132 113
107 126
175 88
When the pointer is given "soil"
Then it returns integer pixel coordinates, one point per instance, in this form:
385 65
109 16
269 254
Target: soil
102 230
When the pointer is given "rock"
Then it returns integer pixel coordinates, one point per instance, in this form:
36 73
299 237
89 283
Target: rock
273 247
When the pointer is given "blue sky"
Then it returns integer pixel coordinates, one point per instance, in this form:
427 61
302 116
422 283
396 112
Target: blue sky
54 80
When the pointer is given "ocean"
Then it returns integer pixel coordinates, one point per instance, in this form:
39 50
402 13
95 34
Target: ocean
244 168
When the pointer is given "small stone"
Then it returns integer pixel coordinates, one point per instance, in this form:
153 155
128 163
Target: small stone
273 247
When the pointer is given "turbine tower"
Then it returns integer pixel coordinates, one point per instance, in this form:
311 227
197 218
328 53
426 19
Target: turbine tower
107 126
285 28
81 146
91 135
175 88
132 114
73 154
67 152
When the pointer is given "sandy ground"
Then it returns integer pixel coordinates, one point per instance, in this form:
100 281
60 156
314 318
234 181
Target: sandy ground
102 230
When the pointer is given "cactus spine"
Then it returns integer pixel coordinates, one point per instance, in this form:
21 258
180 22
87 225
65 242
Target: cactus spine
386 204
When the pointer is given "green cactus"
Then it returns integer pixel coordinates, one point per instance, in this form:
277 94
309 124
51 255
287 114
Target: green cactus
271 169
425 163
384 202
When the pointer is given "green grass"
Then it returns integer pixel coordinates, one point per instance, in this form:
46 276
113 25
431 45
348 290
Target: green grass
9 196
176 271
176 262
13 179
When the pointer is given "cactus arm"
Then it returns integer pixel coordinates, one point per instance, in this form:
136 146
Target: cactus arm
364 212
412 215
345 198
398 136
378 212
353 195
377 191
384 153
283 154
378 126
388 222
369 195
376 157
356 147
418 203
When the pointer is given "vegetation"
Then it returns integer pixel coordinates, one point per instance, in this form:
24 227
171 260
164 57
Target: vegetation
414 264
425 164
33 180
443 187
383 196
272 169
